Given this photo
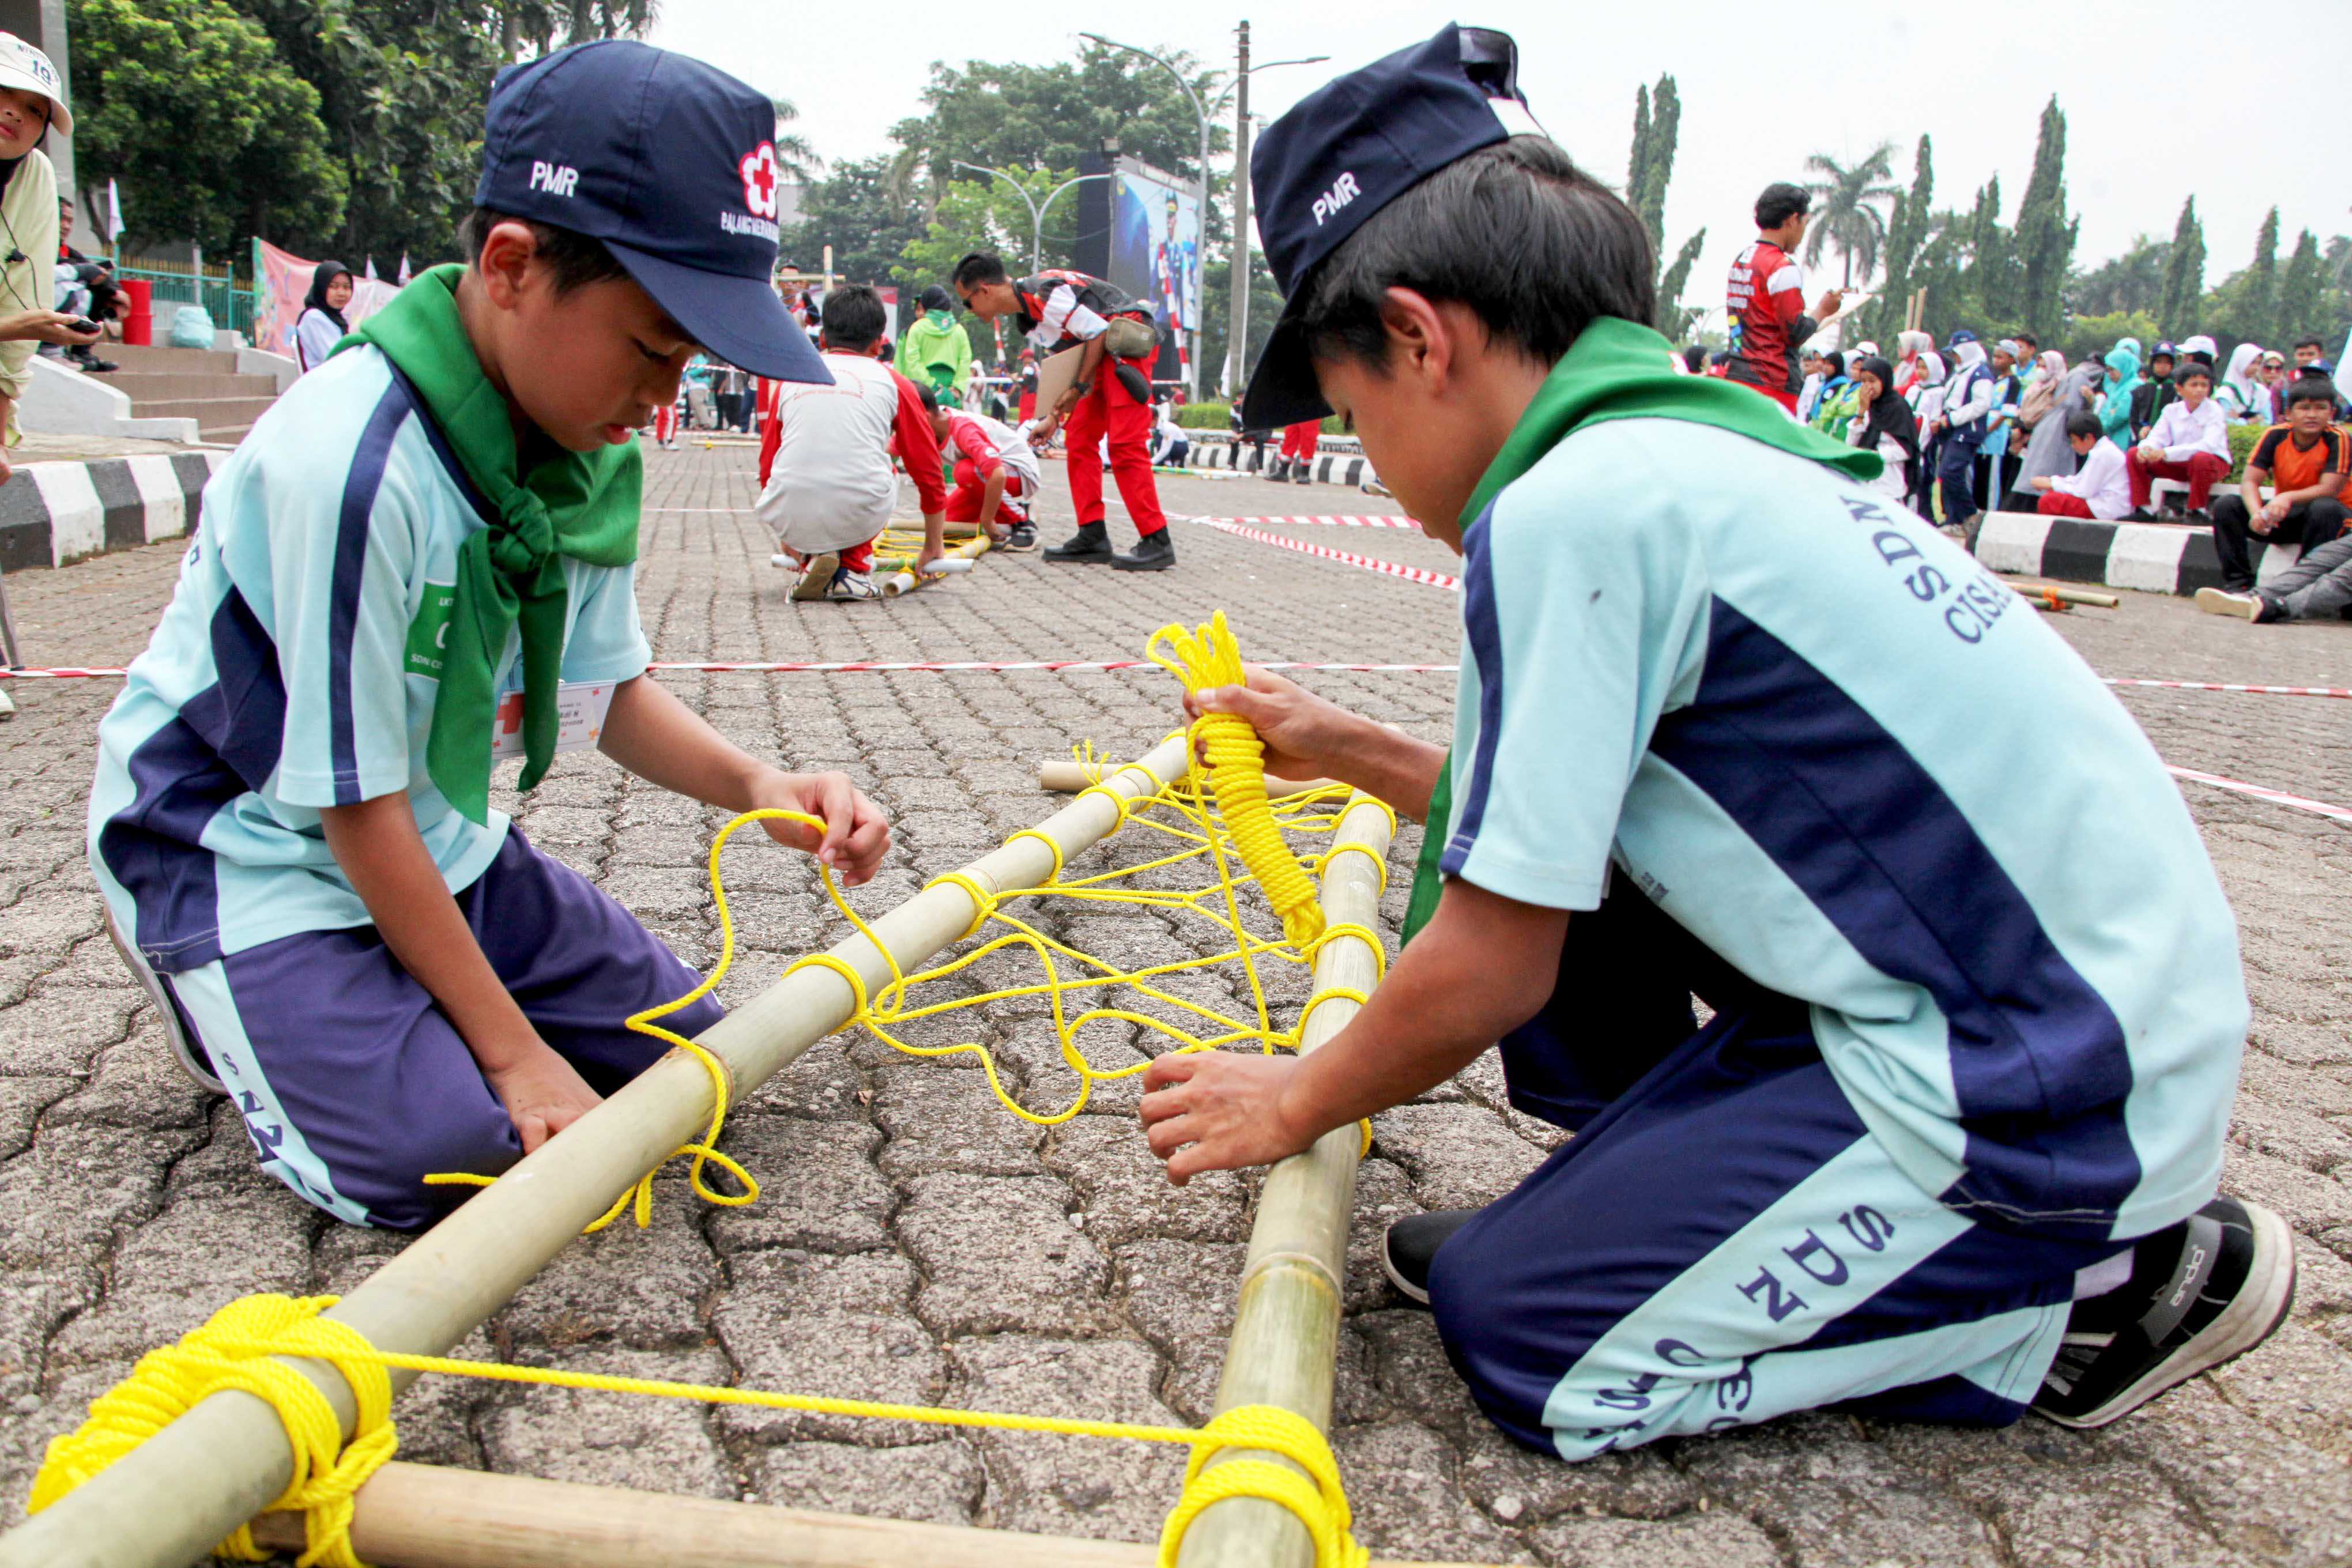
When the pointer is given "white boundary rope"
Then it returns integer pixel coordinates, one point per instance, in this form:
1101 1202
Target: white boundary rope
1370 563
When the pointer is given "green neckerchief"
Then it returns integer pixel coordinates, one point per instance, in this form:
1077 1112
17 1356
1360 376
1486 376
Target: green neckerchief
509 574
1616 369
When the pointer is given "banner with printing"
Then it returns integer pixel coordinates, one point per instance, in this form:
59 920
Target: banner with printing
281 281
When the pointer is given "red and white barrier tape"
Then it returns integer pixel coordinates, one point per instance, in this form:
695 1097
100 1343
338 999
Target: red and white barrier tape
2262 690
2260 792
1370 564
1348 522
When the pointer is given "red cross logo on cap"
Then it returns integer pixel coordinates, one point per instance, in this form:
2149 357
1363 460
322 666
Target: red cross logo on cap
759 171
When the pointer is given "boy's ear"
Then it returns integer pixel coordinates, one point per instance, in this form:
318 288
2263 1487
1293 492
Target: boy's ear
505 263
1424 338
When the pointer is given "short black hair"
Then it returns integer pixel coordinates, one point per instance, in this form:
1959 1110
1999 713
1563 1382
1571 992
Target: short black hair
574 258
853 318
1531 244
2082 421
2311 389
1781 202
929 394
2023 337
1695 357
2310 341
2195 370
2159 351
978 267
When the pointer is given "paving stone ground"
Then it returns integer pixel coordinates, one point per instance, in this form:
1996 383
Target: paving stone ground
917 1244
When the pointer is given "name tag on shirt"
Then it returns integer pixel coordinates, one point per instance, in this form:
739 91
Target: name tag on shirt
580 707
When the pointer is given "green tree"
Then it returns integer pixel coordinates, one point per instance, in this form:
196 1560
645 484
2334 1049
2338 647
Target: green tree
1657 125
1994 278
1017 116
1845 209
2184 272
2088 337
1675 318
1907 225
860 211
2258 306
212 135
2045 235
2299 296
794 155
2132 281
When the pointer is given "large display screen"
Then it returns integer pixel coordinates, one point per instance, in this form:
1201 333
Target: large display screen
1155 255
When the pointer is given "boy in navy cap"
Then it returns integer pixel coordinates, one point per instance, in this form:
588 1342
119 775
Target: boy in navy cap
428 545
1947 1145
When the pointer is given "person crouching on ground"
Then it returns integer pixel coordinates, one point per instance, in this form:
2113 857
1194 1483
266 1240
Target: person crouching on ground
827 485
995 473
290 822
1728 725
2307 463
2098 488
1109 398
2189 440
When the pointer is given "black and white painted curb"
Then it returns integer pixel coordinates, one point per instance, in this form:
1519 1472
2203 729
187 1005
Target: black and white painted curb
51 513
2156 558
1341 468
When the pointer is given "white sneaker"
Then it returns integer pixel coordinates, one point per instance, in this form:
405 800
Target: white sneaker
848 584
783 560
2221 602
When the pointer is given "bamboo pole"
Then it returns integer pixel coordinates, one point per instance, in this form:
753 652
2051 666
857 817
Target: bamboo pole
421 1516
1287 1331
168 1502
1065 776
2047 591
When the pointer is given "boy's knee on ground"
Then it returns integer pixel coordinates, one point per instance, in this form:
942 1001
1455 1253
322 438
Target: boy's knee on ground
389 1181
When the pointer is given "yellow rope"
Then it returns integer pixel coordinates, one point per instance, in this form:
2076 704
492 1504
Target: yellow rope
1236 757
236 1350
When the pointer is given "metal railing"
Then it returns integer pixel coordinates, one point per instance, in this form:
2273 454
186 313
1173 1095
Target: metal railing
228 301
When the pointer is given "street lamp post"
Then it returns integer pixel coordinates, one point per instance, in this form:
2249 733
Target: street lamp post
1237 276
1193 389
1037 209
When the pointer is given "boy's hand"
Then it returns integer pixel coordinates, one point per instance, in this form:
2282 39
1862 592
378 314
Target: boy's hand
1217 1110
1304 734
855 834
542 1094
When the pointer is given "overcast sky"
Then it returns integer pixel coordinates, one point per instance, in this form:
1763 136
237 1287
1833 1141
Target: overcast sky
2162 97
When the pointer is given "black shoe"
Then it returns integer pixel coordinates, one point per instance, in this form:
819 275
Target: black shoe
1022 537
1089 546
1411 1246
2209 1290
1153 552
2199 516
2140 514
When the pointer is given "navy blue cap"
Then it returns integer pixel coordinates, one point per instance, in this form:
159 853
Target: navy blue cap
672 163
1349 149
1962 336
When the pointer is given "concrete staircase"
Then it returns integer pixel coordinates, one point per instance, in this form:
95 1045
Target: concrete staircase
202 385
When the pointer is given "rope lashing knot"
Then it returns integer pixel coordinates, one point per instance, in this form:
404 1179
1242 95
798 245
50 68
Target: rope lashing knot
1204 660
1317 1499
234 1350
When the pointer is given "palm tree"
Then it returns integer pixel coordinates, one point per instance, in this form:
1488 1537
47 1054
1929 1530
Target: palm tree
1845 208
794 156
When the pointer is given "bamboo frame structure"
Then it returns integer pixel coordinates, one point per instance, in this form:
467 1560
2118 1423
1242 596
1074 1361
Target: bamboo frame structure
422 1516
957 558
168 1502
1066 775
1284 1344
2048 592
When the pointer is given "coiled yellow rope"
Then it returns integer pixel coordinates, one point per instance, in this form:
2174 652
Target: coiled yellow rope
237 1347
1204 660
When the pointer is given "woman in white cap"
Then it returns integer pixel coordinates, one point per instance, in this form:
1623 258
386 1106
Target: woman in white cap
30 104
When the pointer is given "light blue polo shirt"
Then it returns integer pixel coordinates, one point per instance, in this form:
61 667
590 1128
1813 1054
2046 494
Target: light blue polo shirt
1858 767
297 666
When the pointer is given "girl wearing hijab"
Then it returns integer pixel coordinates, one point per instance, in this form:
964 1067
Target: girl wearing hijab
1909 347
2042 403
1835 409
321 325
1885 424
2115 399
1927 400
2241 395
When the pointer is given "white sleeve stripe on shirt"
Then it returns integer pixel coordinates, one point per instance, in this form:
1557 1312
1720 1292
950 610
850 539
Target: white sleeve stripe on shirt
1789 276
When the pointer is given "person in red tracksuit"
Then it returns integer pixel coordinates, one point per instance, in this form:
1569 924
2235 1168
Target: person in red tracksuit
1111 395
1297 457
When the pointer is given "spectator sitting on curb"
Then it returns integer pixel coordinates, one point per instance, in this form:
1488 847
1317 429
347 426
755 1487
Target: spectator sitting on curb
2304 462
2190 441
2318 587
2099 489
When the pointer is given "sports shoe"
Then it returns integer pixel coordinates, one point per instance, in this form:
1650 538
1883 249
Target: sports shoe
2246 605
783 560
1089 546
2205 1292
816 576
1153 553
847 584
1024 537
1411 1246
188 1052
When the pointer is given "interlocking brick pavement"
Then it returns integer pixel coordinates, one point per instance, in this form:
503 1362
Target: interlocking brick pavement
915 1243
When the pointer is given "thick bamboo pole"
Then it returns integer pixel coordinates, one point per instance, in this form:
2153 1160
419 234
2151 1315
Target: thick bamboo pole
223 1462
901 578
1066 775
420 1516
1287 1333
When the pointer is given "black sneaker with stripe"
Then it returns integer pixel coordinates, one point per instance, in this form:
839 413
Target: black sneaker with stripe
1411 1246
2208 1290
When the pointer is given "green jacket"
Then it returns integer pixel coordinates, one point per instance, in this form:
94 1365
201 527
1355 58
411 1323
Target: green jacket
937 357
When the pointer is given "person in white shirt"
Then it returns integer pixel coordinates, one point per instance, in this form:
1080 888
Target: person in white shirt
2099 489
2190 441
1171 442
320 326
